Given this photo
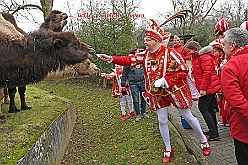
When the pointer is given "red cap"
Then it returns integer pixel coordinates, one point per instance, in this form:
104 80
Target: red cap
244 25
221 26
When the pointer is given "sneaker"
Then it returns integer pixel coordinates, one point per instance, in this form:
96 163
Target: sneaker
223 124
133 113
167 156
123 118
205 148
145 115
138 118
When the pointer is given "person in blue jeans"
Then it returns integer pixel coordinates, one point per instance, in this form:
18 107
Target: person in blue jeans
136 81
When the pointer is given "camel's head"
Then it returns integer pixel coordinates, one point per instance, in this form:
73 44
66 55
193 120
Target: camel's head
55 21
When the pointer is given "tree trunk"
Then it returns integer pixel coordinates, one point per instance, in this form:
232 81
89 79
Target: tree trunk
46 6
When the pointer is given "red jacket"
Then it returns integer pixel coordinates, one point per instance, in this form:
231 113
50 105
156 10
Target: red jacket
234 78
181 50
204 71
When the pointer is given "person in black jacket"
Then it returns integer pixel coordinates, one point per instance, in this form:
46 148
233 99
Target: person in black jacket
136 81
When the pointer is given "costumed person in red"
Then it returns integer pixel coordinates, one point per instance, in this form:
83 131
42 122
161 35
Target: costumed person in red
235 87
207 83
165 74
244 25
220 61
120 92
179 48
221 26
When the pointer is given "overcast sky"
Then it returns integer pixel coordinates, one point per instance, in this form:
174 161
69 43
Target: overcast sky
149 8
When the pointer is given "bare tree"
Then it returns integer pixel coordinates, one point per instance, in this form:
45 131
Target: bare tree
31 11
199 12
234 11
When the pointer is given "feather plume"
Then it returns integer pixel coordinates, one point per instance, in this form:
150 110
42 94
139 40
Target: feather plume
182 14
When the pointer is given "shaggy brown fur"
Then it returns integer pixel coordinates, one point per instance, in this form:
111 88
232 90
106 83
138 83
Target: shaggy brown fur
78 70
55 21
8 30
19 34
30 61
9 20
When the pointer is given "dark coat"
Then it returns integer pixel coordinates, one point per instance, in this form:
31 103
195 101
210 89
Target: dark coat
134 75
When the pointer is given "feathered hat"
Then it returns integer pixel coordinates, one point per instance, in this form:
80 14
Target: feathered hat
221 26
244 25
154 31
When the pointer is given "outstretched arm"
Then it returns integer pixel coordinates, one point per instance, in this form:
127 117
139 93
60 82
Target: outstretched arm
105 57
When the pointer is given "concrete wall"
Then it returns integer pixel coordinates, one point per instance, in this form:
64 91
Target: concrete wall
49 149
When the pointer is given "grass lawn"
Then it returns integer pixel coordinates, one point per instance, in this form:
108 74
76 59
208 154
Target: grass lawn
99 136
21 130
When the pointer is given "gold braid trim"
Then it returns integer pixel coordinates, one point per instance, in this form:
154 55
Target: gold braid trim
166 91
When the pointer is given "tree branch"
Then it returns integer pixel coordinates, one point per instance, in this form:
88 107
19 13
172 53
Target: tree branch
25 6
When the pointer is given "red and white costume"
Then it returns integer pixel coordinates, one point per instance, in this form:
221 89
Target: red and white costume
117 90
166 78
220 61
157 65
124 93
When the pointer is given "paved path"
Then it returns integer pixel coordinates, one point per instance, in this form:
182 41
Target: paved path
222 152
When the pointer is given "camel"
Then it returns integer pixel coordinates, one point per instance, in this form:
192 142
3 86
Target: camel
41 33
55 21
78 70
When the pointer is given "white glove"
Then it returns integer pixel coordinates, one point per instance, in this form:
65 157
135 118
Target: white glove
159 83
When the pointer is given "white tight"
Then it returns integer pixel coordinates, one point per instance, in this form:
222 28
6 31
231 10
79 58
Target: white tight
123 103
187 115
163 126
193 122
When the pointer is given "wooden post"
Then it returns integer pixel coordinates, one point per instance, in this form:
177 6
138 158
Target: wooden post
104 83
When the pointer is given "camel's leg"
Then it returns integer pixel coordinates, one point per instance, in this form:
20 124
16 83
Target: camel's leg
12 106
6 96
22 90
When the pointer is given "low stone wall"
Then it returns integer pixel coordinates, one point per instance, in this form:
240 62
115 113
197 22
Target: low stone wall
49 149
190 146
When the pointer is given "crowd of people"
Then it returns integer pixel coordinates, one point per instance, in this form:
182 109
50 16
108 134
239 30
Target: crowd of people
159 76
217 78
